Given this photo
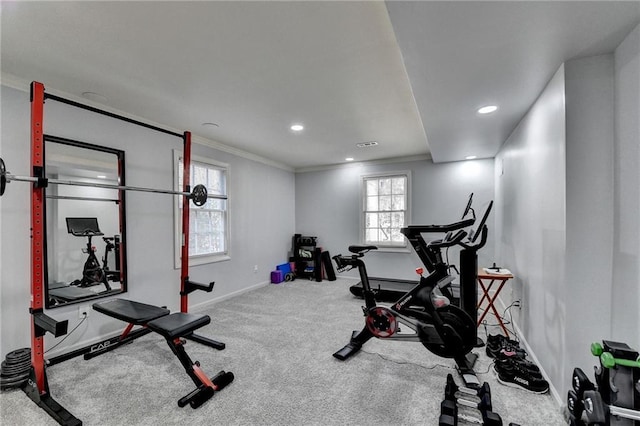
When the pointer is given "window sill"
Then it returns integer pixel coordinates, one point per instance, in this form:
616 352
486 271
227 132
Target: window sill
389 249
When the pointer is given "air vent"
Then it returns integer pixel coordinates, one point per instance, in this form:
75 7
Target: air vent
366 144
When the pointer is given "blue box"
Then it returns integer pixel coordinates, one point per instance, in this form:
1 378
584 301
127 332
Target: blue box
285 268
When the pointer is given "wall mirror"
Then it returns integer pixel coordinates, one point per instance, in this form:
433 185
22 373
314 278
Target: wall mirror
85 226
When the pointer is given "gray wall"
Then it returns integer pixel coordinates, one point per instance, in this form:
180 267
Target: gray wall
328 206
261 204
588 279
567 224
626 246
530 221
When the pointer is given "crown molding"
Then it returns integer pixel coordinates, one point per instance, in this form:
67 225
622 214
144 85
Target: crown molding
422 157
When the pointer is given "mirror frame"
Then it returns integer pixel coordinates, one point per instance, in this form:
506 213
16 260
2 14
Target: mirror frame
120 155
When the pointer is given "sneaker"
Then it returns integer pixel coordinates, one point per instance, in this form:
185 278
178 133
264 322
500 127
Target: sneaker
494 349
513 375
506 362
499 338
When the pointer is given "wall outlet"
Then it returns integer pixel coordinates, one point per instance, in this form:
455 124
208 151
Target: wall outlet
518 304
83 312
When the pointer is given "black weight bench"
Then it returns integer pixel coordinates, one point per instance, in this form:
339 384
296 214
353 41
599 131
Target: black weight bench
134 313
173 327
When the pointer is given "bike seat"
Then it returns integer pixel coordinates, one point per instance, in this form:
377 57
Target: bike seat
360 249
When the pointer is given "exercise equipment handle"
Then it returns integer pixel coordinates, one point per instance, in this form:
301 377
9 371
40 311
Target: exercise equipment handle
481 243
449 241
413 230
191 286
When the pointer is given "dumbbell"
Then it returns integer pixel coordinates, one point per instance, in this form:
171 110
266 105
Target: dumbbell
450 413
575 405
581 383
595 409
482 395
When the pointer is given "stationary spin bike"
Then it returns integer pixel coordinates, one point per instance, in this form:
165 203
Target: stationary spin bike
446 330
92 273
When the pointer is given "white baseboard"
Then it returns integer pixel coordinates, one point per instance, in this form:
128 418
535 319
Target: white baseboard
203 305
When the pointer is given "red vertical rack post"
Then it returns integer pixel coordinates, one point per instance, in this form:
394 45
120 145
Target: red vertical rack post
187 286
37 230
37 387
186 187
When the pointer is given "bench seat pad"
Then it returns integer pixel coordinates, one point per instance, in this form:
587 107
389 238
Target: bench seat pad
132 312
178 324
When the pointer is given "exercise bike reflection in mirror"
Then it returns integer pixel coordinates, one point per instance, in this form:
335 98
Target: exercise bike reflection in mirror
92 273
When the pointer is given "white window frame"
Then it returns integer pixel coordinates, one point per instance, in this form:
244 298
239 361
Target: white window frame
391 247
197 259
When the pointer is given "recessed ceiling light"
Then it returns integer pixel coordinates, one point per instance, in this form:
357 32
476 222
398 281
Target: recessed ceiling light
348 159
470 157
297 127
96 97
487 109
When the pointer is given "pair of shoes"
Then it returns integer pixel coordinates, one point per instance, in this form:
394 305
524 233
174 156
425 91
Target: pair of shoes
512 373
493 349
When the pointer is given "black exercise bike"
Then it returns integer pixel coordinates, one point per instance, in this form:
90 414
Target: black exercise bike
92 273
446 330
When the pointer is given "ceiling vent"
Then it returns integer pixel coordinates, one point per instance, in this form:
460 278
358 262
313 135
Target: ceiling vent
366 144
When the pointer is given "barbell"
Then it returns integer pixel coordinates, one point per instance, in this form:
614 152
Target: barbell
198 195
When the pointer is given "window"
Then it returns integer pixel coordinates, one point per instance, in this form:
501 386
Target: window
385 201
208 224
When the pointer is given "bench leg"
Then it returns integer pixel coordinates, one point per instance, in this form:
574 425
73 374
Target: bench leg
205 387
205 341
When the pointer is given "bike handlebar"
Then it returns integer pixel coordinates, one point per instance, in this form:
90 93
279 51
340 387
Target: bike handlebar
450 240
413 230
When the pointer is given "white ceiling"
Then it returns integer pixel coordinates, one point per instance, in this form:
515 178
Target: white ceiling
408 75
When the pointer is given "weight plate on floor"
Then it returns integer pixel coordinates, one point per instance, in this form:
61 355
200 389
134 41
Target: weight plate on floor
18 355
8 383
21 364
5 372
8 370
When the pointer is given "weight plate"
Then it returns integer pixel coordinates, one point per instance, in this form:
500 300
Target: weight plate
15 363
7 367
18 355
199 195
6 372
8 383
3 177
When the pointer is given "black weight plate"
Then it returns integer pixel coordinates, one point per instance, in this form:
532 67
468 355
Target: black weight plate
6 364
14 379
7 369
199 195
3 177
15 382
11 370
18 355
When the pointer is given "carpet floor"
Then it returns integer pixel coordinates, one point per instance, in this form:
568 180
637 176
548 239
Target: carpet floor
279 339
